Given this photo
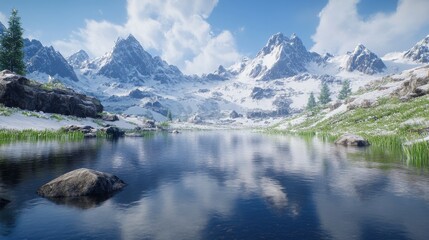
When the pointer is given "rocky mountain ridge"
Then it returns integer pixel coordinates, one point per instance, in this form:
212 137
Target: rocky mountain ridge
419 52
42 59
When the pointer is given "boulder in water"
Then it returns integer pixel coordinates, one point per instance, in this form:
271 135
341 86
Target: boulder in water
352 140
81 182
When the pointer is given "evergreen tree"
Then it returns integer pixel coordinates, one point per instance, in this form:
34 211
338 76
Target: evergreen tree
345 90
169 116
311 102
325 94
12 44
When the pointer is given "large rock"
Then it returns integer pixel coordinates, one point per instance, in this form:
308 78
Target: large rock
113 132
352 140
81 182
18 91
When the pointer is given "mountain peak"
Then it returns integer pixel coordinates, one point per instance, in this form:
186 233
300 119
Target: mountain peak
2 28
365 61
420 51
78 59
42 59
129 62
281 57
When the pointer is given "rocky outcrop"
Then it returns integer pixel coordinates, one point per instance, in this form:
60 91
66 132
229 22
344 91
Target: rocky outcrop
81 182
18 91
110 117
413 87
234 115
352 140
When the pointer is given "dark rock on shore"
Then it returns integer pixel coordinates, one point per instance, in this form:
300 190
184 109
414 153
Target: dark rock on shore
81 182
18 91
114 132
352 140
88 131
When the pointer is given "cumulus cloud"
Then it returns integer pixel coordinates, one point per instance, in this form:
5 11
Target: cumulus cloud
341 27
176 30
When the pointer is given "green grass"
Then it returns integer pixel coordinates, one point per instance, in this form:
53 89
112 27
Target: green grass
7 135
33 114
57 117
387 126
5 111
417 154
164 124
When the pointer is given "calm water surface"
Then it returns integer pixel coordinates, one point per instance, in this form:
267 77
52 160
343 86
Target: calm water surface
216 185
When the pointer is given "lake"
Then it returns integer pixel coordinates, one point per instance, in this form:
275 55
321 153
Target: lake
216 185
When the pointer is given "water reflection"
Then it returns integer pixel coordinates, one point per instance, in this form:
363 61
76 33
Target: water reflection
217 185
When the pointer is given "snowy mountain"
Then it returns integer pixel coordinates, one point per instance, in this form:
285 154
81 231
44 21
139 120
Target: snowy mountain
2 28
281 57
79 59
129 62
365 61
45 60
419 52
274 84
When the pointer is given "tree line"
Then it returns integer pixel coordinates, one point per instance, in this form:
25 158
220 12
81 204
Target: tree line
12 46
325 95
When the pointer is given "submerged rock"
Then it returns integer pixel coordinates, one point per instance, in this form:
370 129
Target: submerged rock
81 182
352 140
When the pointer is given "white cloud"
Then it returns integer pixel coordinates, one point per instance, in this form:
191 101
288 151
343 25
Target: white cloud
176 30
3 19
341 27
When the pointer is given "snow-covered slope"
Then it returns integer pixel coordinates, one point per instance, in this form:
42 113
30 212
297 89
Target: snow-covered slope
273 84
45 60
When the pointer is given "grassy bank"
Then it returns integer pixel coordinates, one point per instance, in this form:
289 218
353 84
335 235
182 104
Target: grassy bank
391 125
7 135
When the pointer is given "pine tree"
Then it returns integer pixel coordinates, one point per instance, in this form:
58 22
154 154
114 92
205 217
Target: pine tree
325 94
12 44
345 90
169 116
311 102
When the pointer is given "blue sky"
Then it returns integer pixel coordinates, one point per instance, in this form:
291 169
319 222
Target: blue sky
236 27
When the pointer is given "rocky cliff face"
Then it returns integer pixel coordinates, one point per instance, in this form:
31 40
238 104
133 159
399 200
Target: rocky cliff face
18 91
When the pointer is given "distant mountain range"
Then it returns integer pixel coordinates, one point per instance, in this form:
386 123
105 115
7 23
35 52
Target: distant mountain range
277 81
